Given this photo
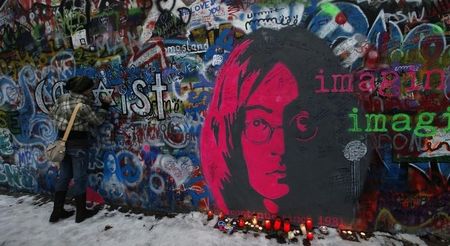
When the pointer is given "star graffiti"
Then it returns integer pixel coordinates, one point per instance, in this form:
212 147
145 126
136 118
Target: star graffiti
102 90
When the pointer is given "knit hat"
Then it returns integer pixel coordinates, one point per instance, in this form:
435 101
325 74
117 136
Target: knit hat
79 84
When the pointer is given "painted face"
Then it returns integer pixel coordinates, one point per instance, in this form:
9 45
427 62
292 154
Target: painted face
446 19
263 142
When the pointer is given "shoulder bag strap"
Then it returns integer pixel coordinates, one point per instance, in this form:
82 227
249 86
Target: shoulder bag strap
71 121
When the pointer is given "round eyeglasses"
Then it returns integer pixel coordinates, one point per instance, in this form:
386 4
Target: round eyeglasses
259 131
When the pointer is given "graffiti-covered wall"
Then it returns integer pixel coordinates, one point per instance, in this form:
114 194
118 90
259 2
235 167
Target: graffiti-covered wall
336 110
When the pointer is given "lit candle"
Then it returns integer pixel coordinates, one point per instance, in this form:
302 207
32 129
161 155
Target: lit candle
303 229
363 235
277 224
310 236
254 220
267 225
309 224
210 215
241 221
291 235
286 225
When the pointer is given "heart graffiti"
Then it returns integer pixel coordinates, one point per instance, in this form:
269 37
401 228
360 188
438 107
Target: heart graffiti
179 169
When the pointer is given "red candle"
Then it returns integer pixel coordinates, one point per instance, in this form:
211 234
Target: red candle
277 224
286 225
210 215
241 221
221 216
309 224
310 236
267 225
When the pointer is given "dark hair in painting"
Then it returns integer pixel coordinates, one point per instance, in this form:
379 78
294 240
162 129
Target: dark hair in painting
304 55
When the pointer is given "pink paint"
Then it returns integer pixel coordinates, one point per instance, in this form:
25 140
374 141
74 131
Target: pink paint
305 133
389 86
264 118
146 148
271 206
216 144
389 80
261 131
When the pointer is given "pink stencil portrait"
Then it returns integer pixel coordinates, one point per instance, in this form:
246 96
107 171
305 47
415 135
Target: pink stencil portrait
270 144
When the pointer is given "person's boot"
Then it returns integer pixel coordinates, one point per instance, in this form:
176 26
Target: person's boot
58 207
82 212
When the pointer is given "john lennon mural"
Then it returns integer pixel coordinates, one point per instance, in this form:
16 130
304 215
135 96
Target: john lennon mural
270 143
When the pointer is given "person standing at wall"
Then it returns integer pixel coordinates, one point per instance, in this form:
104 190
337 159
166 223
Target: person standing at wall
75 162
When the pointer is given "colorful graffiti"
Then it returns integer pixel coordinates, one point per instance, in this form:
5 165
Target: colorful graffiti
337 110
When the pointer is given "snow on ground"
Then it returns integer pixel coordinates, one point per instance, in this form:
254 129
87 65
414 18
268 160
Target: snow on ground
24 222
